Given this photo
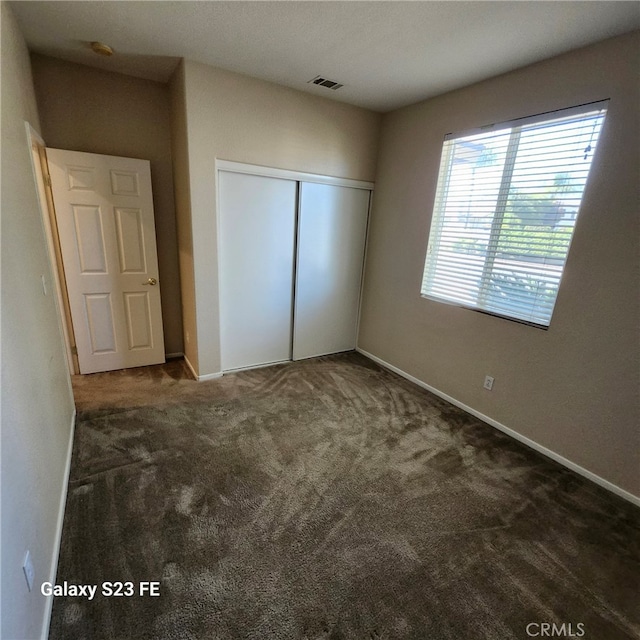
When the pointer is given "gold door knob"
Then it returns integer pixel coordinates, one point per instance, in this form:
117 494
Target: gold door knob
151 281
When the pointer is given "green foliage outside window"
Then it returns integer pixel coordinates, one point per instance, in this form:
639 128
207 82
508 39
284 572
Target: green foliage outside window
532 225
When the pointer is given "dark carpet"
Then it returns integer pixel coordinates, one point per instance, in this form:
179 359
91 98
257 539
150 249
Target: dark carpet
328 499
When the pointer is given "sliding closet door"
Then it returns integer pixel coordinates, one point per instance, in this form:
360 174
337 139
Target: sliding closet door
332 229
256 252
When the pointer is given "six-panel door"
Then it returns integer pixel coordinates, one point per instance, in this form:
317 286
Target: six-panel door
104 212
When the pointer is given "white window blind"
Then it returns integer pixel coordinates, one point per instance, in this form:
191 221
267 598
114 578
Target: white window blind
506 204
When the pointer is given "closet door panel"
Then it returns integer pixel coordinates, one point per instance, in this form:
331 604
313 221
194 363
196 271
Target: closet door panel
256 263
331 242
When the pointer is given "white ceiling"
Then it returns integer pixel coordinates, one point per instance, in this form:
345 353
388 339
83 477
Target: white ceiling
387 54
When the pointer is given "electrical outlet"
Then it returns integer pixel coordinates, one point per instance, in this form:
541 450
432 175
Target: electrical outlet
29 572
488 383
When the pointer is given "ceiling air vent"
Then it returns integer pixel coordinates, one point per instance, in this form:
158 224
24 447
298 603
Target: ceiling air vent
323 82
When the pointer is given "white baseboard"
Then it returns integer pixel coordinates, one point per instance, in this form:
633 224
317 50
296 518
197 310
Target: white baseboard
210 376
510 432
206 376
56 548
172 356
252 367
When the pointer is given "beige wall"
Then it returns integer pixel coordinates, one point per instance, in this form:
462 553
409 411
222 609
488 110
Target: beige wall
573 388
85 109
37 405
183 212
234 117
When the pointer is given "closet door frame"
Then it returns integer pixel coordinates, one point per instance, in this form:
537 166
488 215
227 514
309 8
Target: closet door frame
286 174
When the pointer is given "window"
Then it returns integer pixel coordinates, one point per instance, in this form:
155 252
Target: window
506 204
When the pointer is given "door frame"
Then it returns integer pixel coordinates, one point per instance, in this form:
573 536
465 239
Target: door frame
42 183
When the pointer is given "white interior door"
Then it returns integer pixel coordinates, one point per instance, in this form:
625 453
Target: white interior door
104 211
332 229
256 263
